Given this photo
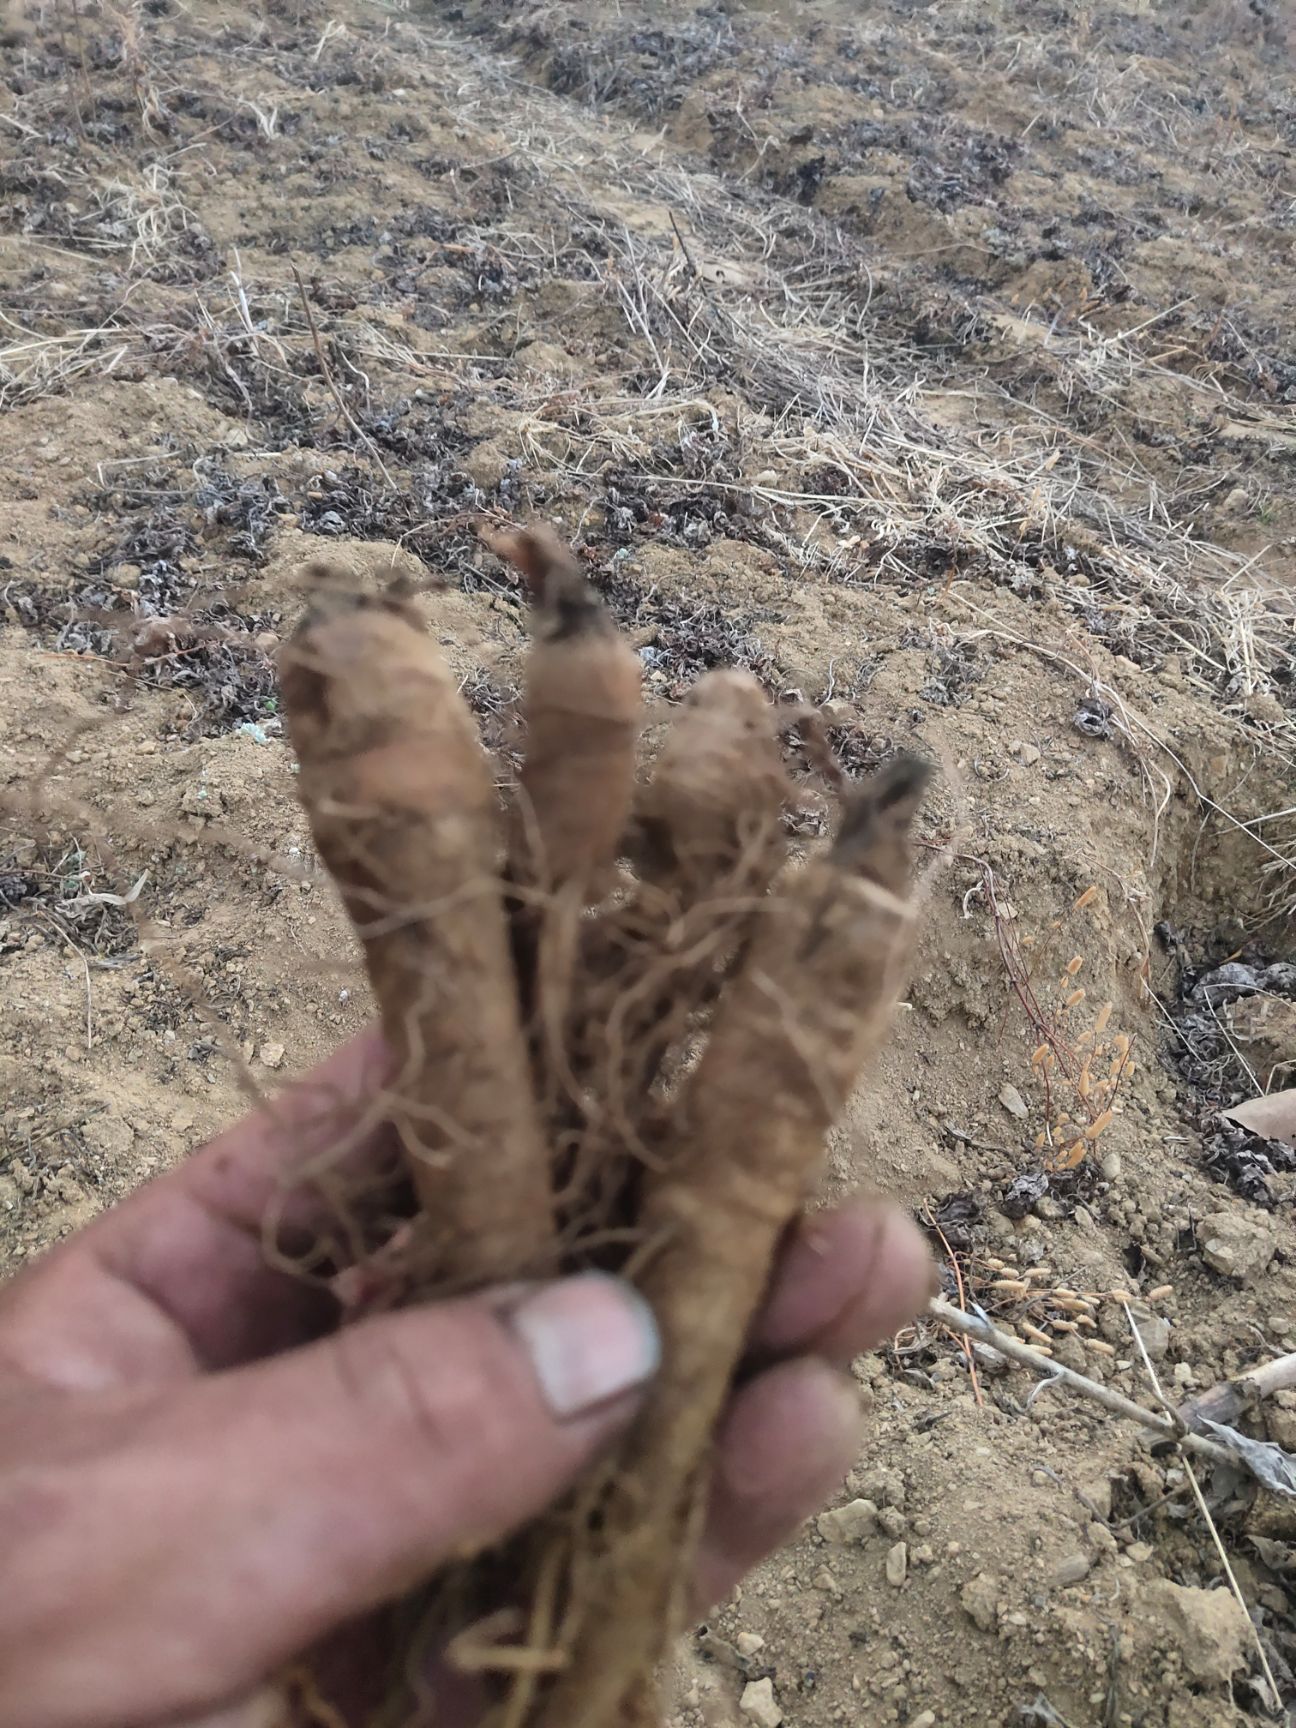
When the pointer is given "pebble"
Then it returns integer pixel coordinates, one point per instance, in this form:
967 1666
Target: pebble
1070 1569
748 1643
849 1523
980 1600
1013 1102
1154 1329
897 1565
892 1522
1139 1552
884 1487
1235 1245
925 1719
759 1705
272 1055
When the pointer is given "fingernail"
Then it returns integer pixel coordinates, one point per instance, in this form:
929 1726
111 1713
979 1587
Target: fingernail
590 1338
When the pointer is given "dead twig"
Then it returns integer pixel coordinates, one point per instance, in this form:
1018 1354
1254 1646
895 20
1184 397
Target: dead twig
336 394
965 1342
1016 1351
1227 1401
1274 1699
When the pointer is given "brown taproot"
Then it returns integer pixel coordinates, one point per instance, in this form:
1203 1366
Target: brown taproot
402 804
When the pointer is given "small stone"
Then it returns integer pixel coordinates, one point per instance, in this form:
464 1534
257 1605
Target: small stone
1111 1166
272 1055
748 1643
980 1600
1210 1632
1236 1245
884 1488
925 1719
892 1522
897 1565
1013 1102
850 1523
1071 1353
759 1705
485 466
1139 1552
1282 1426
1048 1208
990 1360
1264 707
1154 1329
1029 755
1098 1492
1070 1569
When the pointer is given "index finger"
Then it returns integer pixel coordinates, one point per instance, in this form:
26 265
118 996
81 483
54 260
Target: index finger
203 1267
295 1161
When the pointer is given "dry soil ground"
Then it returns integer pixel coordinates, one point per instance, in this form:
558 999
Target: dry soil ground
935 362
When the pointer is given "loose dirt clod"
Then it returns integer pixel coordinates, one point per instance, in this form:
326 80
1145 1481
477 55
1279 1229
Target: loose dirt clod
547 1067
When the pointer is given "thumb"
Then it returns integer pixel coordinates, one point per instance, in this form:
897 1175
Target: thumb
256 1510
367 1460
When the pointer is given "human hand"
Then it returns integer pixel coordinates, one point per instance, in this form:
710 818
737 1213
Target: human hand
199 1479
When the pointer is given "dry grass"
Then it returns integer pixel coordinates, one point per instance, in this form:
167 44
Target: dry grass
857 458
34 365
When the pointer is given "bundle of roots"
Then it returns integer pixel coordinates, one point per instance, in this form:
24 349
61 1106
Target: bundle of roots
621 1024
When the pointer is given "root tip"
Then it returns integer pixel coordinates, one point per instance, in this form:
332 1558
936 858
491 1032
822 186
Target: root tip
563 597
877 817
